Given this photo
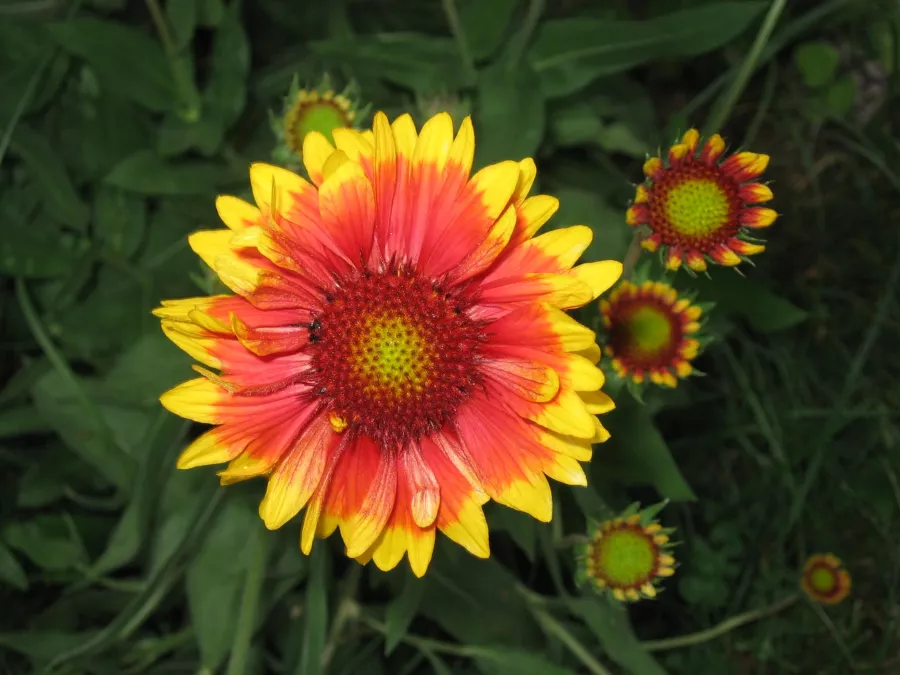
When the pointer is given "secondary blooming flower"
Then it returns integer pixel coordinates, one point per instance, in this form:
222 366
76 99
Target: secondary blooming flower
697 208
825 580
398 352
320 109
651 331
626 558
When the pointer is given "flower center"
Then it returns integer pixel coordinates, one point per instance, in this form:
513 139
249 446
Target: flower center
649 329
644 332
625 557
322 115
394 356
694 205
822 579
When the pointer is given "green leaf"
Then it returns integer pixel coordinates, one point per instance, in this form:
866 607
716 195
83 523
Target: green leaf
401 611
580 124
35 251
11 571
211 12
126 61
42 485
214 588
579 207
502 661
61 405
413 61
609 622
485 24
569 54
42 646
21 421
226 93
119 220
49 173
315 623
737 295
142 385
476 600
637 454
840 96
149 174
817 62
520 526
46 541
183 17
510 114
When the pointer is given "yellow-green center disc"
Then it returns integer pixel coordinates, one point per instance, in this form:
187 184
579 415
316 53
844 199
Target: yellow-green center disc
696 207
649 330
822 579
625 558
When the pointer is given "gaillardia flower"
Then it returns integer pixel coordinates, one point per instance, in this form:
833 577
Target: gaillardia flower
697 208
626 558
320 109
398 351
825 580
651 331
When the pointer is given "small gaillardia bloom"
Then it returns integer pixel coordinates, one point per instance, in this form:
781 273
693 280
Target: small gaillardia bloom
651 332
696 207
824 579
626 557
398 350
319 109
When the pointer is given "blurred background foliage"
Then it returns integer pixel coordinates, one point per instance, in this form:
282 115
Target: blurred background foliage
121 120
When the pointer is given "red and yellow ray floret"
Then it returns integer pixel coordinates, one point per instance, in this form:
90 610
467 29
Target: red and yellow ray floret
626 558
696 206
651 332
319 109
825 580
397 351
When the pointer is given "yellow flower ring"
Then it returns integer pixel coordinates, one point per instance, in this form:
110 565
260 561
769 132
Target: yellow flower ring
626 559
313 111
825 580
697 208
651 332
397 351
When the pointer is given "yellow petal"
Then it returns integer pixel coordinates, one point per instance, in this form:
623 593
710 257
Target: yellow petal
196 400
420 547
496 184
565 245
572 335
462 151
210 244
566 470
236 213
270 182
530 496
434 142
576 448
535 211
316 149
405 136
527 174
199 346
566 415
470 529
353 144
246 466
583 375
208 449
600 276
596 402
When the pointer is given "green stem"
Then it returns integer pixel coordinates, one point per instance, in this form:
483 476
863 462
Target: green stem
723 106
61 366
721 629
555 629
184 84
347 609
424 645
246 624
452 14
632 255
535 10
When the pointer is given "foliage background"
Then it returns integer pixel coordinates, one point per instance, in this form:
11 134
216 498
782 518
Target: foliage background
121 121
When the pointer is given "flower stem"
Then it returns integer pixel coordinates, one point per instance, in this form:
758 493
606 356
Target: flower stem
721 629
553 627
722 108
347 609
452 14
184 83
535 10
632 255
246 624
